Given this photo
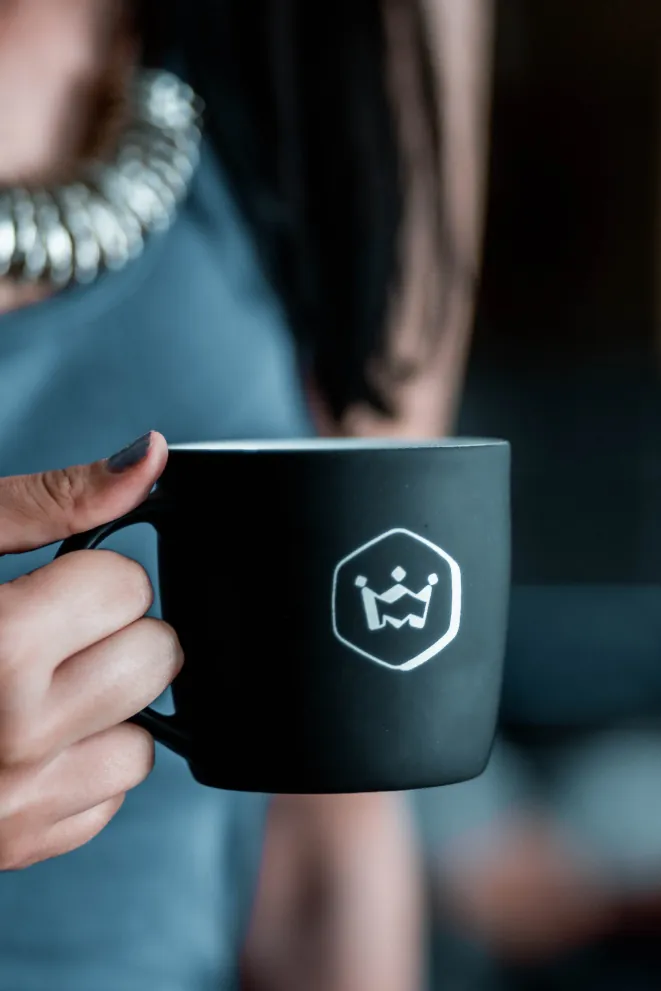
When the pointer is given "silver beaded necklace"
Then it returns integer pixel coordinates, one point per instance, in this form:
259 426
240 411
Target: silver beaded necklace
71 233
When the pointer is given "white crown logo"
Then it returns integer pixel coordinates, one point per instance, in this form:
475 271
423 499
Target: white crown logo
403 626
373 603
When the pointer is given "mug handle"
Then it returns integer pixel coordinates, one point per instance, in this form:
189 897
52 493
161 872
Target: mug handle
166 729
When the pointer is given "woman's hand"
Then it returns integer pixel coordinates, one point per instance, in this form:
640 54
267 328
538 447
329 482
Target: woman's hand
77 659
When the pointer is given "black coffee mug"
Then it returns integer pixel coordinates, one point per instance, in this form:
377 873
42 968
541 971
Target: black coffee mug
342 606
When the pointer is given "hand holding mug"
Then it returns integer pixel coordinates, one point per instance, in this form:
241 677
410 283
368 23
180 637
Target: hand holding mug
342 606
77 658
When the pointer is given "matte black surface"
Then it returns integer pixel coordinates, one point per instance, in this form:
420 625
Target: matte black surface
272 698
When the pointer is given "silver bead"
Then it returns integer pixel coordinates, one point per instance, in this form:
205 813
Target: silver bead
55 238
110 184
109 233
73 202
7 235
71 232
30 257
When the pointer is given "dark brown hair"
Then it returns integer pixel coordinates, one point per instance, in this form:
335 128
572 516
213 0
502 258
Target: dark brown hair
303 109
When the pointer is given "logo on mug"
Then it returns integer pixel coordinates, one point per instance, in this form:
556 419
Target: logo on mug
397 600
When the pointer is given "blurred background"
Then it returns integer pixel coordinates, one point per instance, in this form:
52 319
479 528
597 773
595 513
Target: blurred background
546 872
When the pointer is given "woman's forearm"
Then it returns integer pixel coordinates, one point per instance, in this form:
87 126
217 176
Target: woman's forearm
338 906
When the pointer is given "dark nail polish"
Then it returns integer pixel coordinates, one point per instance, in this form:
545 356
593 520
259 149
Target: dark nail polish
129 455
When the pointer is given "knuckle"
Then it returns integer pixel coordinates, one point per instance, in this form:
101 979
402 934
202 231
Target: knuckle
21 745
15 846
16 633
91 823
15 788
14 649
164 643
140 757
24 741
62 490
13 857
113 575
129 577
98 818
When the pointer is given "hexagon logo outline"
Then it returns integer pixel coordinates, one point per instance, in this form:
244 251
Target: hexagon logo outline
455 603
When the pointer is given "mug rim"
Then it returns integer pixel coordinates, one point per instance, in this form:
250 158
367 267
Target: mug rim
332 445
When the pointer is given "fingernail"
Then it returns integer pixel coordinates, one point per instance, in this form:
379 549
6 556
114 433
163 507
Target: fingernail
130 455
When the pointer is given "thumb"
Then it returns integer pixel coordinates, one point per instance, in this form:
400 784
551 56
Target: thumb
39 509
